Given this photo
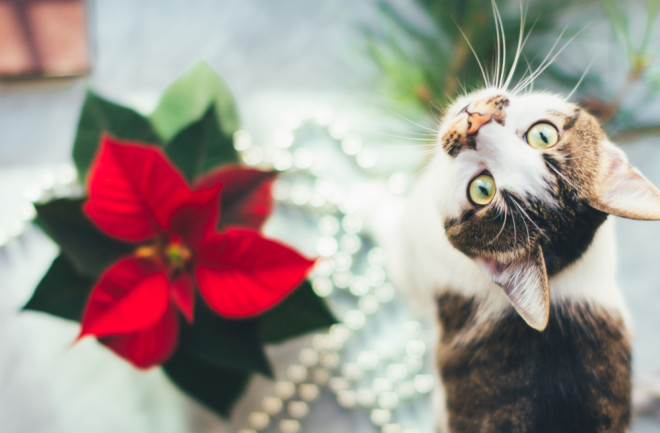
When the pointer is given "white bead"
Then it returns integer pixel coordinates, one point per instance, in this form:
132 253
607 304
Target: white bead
384 293
380 416
27 211
329 360
242 140
320 376
326 246
366 397
283 138
346 399
359 286
350 243
289 426
296 373
342 279
424 383
280 190
282 160
391 428
65 174
323 116
324 267
322 286
398 183
416 348
328 225
297 409
368 304
381 384
252 156
351 145
376 257
322 342
340 332
351 371
397 372
308 357
258 420
308 391
285 390
338 384
388 400
300 194
352 223
46 179
272 405
413 364
406 390
368 360
367 158
303 158
342 261
376 276
32 192
355 319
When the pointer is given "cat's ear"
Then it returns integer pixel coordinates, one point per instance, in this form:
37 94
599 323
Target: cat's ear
621 190
525 283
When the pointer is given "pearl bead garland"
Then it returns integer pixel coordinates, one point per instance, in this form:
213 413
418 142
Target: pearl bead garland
350 271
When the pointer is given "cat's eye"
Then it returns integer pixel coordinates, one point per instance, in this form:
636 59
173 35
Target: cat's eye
542 135
482 189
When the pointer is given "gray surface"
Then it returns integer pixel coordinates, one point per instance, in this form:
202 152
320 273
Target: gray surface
275 56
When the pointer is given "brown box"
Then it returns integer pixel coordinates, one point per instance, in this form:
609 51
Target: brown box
43 38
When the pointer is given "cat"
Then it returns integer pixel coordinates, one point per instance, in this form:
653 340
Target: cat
506 233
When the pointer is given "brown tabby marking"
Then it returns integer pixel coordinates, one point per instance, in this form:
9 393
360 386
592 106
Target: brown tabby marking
457 139
573 377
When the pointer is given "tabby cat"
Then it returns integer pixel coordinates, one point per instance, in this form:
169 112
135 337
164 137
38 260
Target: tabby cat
507 230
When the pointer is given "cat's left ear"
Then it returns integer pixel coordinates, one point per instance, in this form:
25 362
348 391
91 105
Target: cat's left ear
621 190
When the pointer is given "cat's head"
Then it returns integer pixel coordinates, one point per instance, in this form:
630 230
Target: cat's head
524 181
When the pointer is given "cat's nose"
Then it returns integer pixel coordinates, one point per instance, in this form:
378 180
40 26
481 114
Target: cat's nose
476 121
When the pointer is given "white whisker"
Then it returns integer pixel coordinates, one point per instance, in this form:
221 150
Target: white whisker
476 57
584 74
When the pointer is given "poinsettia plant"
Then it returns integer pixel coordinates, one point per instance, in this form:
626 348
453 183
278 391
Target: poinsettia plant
163 261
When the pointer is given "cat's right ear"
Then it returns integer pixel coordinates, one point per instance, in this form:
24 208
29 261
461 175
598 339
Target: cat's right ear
621 190
525 283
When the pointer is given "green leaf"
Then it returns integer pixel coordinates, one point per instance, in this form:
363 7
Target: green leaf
189 98
217 388
201 146
300 313
62 291
99 115
88 249
225 343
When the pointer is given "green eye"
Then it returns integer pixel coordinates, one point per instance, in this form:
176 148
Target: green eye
482 189
542 135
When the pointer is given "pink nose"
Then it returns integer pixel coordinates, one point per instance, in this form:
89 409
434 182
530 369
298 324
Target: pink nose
476 121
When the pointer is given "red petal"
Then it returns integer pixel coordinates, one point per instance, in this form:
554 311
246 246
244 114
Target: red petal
132 294
183 295
246 195
197 218
148 347
240 273
133 190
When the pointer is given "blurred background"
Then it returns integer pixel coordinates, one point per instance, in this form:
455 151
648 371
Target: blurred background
382 70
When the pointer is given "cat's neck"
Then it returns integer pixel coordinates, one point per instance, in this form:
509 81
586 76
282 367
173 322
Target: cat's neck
439 267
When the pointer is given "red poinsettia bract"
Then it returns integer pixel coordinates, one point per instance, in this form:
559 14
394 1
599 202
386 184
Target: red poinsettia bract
137 195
